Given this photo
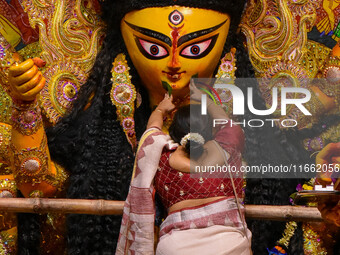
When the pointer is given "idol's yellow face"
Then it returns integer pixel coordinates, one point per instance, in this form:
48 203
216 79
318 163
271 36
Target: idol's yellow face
173 44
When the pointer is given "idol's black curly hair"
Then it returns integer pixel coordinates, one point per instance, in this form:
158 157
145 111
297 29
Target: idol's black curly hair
91 144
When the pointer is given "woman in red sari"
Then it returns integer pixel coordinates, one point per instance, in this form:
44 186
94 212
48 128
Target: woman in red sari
202 208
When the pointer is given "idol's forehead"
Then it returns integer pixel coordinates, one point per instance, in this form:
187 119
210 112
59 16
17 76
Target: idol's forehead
164 19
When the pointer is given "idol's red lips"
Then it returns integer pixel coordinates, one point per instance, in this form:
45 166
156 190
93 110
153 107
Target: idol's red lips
174 76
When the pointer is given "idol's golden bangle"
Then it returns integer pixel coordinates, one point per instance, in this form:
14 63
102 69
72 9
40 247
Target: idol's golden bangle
26 117
31 163
330 82
327 99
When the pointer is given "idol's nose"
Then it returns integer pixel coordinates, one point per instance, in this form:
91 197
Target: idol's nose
174 63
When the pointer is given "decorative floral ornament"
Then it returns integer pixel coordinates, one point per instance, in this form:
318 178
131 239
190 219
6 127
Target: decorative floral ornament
283 243
226 75
196 137
227 67
26 118
123 95
64 80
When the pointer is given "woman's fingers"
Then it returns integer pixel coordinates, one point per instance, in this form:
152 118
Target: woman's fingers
192 84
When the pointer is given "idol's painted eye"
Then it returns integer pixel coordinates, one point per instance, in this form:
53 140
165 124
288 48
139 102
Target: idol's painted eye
199 49
151 50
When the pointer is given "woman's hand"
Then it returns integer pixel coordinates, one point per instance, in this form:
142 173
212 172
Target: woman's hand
195 93
215 110
166 105
25 79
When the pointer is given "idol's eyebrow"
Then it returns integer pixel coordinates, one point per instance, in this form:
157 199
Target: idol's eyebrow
151 33
193 35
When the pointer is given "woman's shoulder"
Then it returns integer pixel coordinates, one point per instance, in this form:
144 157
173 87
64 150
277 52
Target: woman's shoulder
231 135
152 131
179 160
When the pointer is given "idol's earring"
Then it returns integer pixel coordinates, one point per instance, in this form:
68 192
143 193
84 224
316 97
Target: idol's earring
123 96
226 75
227 67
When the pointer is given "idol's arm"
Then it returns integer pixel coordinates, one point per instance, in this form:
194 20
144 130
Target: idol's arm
34 172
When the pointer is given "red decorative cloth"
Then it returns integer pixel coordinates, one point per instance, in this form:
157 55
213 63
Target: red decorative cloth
174 186
15 13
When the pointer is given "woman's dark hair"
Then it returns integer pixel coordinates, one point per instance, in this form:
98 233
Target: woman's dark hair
188 119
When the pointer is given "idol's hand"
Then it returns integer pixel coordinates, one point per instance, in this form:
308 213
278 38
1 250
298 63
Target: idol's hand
329 156
166 104
25 79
